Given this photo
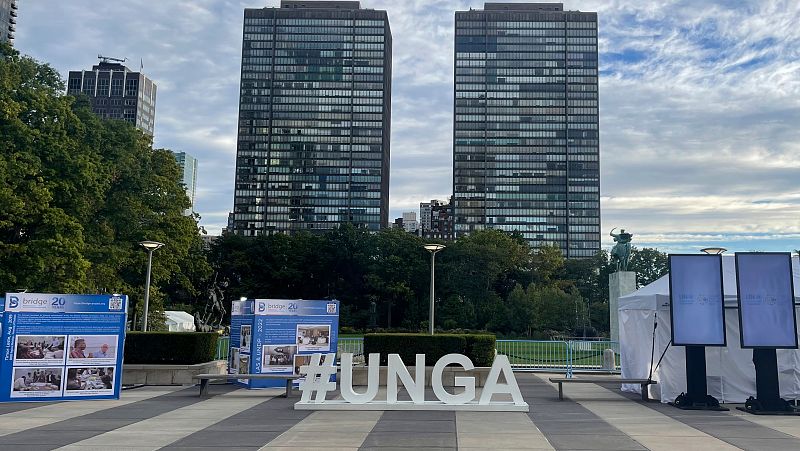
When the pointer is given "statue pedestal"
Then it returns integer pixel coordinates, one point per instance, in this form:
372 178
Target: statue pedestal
620 283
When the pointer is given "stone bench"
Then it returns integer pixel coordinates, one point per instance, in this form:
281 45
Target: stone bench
204 378
600 380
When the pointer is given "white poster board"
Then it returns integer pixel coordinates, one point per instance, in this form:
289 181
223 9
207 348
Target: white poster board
766 300
697 311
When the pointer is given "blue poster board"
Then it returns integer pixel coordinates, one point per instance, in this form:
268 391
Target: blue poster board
62 347
277 336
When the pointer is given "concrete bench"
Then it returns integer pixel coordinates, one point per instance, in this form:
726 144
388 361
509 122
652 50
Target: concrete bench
204 378
601 380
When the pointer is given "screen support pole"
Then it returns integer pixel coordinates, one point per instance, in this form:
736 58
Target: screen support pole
768 396
696 396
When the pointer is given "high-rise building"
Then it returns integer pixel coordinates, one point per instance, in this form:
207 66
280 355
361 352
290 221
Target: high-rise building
425 209
8 20
117 92
526 150
441 222
188 164
314 113
410 223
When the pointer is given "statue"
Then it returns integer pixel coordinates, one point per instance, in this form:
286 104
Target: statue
621 252
214 311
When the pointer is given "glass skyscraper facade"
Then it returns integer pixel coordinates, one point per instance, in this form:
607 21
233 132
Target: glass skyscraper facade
314 113
526 149
8 20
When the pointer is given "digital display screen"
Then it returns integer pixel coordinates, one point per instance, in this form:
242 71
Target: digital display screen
766 300
696 300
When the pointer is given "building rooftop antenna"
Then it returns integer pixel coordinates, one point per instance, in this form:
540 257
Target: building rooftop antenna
107 59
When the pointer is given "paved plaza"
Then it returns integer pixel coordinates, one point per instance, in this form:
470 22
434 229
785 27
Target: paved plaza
176 418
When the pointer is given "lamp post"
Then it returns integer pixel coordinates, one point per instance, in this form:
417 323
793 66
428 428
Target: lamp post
714 250
149 246
433 249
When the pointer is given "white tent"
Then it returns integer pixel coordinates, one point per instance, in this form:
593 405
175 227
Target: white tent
729 370
179 321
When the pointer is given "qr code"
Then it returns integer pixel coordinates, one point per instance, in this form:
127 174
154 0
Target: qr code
115 304
331 308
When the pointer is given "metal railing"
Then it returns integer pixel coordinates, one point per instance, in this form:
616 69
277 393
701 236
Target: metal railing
354 345
223 347
566 356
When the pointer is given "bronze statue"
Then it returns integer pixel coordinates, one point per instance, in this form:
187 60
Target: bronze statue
214 311
621 252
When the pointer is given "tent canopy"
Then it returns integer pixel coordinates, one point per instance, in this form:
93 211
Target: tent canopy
656 294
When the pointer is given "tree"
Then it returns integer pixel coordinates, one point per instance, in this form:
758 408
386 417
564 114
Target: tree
650 265
77 193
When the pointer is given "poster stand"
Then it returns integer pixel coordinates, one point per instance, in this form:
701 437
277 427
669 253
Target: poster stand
696 396
61 347
277 336
698 320
768 399
767 322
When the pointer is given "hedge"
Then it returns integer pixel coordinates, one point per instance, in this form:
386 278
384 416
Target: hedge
478 347
170 348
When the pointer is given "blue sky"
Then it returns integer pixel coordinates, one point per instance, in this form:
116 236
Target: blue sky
699 104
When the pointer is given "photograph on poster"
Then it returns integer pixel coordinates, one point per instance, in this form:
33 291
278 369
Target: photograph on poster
245 337
39 350
312 337
92 350
300 360
244 365
89 381
233 361
277 358
37 382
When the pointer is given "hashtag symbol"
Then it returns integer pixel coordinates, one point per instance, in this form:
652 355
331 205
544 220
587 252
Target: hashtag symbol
317 378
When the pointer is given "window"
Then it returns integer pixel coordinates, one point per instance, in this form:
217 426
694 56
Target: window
116 87
102 87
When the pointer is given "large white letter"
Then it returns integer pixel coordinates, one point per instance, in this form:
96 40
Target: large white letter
467 382
346 386
501 365
415 389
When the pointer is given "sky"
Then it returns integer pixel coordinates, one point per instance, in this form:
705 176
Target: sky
699 104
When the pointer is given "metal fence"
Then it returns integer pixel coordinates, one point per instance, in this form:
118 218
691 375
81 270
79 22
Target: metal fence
566 356
223 347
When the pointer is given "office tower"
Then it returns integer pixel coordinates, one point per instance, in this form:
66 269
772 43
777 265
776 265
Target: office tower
188 165
441 226
8 20
526 144
410 223
117 92
314 113
425 209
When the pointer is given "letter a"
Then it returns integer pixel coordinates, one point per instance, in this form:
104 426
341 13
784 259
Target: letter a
501 365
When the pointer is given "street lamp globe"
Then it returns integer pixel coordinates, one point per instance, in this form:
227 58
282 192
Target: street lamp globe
151 245
434 247
713 250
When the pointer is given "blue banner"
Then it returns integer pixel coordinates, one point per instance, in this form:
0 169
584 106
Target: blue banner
280 335
62 347
696 300
766 300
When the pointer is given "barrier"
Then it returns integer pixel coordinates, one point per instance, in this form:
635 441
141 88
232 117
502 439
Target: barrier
223 348
566 356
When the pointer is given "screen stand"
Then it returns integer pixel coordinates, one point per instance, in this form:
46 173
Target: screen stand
696 396
768 396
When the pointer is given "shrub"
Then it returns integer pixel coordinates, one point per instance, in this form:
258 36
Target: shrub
478 347
170 348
